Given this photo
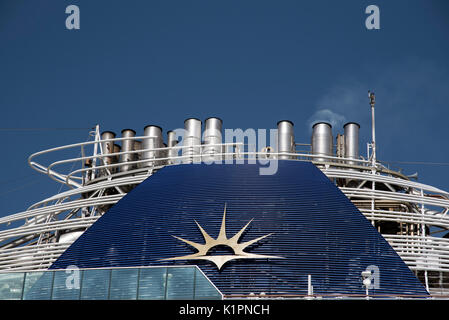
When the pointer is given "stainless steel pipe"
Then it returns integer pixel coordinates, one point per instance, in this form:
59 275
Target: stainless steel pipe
127 145
352 141
172 142
322 140
154 141
107 148
212 135
138 155
192 140
286 138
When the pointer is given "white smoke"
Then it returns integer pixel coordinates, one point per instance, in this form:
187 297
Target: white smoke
342 103
326 115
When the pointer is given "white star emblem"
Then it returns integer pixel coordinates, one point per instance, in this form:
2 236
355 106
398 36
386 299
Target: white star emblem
222 239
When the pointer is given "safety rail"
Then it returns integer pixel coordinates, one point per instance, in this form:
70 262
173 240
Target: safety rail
422 253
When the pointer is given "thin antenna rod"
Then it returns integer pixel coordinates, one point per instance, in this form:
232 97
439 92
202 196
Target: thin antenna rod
373 126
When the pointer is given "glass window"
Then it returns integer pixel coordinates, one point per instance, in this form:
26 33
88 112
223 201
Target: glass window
66 285
180 283
38 285
152 283
123 284
204 290
95 284
11 285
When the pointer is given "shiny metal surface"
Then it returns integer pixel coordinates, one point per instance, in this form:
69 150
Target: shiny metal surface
212 136
69 237
164 154
192 140
172 142
127 145
352 141
286 138
107 147
137 156
322 140
340 148
154 140
116 158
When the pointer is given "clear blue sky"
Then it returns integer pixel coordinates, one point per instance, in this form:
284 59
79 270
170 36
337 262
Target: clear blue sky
251 63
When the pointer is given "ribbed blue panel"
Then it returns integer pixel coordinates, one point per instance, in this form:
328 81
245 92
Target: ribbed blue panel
317 230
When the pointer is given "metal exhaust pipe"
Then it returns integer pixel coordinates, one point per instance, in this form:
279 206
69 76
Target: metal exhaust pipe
340 150
138 155
154 140
352 141
127 145
322 143
212 135
286 139
116 159
192 140
107 148
171 142
164 154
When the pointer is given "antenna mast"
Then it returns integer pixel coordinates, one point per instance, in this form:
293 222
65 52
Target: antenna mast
373 126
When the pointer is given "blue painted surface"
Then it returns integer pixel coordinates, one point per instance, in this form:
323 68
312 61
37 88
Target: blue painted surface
316 229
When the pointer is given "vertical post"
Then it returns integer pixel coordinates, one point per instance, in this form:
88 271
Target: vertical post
166 283
309 285
83 165
194 283
23 285
109 287
373 127
373 201
423 228
138 283
423 233
52 284
366 277
373 146
81 283
97 139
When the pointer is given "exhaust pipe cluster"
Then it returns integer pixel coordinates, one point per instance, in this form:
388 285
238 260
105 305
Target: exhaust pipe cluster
347 144
197 145
153 139
206 146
